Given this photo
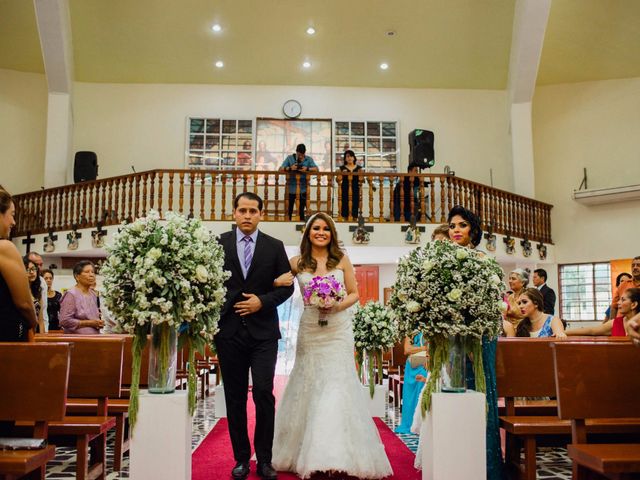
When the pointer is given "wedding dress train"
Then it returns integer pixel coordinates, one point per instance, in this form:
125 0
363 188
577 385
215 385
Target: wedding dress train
322 422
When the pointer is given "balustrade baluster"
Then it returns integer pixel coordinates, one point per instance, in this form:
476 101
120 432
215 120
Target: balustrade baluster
223 214
264 196
170 191
160 191
371 217
152 190
181 192
202 192
130 193
145 178
89 211
234 187
276 212
423 201
214 181
192 192
119 200
381 198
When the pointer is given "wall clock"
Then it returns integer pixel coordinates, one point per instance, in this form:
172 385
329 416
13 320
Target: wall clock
292 109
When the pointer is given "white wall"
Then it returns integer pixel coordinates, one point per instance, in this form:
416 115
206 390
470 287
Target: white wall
23 124
144 125
594 125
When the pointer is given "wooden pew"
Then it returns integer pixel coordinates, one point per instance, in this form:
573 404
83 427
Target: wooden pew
598 381
95 373
118 407
524 368
34 379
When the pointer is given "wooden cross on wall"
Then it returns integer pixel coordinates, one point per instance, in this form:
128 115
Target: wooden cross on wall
28 241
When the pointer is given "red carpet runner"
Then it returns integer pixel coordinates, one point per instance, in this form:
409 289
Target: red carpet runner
213 459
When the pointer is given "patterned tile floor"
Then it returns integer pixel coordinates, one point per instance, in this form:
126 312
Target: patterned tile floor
552 463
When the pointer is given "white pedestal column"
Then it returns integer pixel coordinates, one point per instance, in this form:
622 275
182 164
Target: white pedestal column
377 404
161 442
220 404
453 437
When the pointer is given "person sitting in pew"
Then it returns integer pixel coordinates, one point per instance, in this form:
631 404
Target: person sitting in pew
17 313
79 305
628 308
536 323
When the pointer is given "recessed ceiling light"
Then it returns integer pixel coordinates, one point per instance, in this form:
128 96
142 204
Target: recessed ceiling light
390 33
219 64
216 28
384 66
306 64
311 30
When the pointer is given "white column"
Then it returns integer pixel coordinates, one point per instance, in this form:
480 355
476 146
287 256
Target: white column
161 442
522 150
58 161
453 437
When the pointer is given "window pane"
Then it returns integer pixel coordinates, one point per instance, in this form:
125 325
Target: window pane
245 126
373 129
196 125
213 125
196 142
389 129
357 144
229 142
228 126
342 128
373 145
357 128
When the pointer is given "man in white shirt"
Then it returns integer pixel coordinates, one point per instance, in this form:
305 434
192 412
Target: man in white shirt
548 295
36 258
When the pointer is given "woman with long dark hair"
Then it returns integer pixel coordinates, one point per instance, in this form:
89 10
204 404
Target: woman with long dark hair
320 423
465 230
628 308
350 190
17 313
535 323
35 287
53 300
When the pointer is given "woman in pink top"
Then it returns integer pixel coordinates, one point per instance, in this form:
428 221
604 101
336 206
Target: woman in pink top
79 311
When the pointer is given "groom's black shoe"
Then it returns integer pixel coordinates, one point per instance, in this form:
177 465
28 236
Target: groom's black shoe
266 471
240 471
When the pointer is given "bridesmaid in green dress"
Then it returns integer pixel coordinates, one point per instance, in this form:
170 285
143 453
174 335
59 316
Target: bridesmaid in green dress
465 230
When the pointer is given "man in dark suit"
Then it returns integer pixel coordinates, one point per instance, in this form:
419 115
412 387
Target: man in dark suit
548 295
249 331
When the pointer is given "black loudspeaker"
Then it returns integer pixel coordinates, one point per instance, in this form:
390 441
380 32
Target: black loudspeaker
85 167
421 152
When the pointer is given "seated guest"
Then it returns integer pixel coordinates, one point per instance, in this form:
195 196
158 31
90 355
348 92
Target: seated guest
518 281
79 305
414 373
536 323
628 307
623 277
441 232
17 313
33 275
624 285
53 300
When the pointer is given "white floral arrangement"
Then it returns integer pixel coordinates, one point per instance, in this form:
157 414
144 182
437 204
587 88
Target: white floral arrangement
443 290
165 273
374 330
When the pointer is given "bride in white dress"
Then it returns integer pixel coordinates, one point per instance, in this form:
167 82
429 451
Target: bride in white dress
322 423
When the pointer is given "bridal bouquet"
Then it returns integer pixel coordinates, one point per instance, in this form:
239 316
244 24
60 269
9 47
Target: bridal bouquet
323 293
446 291
165 278
374 330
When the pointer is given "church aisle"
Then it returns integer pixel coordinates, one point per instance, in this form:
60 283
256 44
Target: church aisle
553 464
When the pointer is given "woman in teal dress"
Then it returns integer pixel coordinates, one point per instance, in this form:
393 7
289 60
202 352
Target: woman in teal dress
465 230
412 385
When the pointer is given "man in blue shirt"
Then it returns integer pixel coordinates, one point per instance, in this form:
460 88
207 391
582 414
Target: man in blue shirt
297 165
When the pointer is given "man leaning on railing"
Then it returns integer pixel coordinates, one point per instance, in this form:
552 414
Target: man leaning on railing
297 165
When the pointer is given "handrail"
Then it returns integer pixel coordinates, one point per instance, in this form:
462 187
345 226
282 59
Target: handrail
209 194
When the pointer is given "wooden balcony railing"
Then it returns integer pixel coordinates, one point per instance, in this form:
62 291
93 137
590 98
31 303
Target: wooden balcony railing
209 195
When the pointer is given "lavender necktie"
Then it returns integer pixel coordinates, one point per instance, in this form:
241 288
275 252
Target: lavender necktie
248 254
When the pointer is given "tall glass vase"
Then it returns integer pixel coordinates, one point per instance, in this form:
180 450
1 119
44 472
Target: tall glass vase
453 376
163 353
